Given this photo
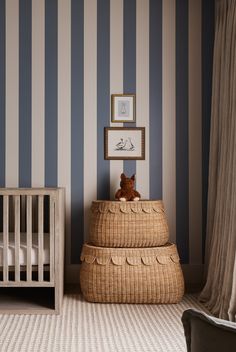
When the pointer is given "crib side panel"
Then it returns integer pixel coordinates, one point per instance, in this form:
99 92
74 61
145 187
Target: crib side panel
32 247
25 220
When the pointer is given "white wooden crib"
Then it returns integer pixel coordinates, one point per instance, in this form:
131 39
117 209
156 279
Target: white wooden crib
31 250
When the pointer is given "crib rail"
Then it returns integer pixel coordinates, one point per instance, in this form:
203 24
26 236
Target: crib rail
30 212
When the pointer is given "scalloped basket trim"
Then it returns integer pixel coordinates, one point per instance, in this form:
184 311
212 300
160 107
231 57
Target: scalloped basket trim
89 259
133 260
103 260
127 208
118 260
121 260
148 260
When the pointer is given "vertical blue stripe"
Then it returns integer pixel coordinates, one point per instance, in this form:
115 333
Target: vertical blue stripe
25 92
51 79
103 95
182 165
155 82
77 128
208 14
129 81
2 90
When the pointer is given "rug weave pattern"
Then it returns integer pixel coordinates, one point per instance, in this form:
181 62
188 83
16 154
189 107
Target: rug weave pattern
90 327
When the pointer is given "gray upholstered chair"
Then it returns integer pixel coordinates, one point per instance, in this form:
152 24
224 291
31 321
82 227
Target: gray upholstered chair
205 333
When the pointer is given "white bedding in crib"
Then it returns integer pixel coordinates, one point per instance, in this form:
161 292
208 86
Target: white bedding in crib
23 249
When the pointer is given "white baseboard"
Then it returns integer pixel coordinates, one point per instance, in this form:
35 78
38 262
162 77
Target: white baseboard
193 273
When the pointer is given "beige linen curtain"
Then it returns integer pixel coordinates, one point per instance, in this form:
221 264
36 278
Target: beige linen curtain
219 293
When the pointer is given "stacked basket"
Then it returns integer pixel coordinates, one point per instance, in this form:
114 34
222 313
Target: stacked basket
128 258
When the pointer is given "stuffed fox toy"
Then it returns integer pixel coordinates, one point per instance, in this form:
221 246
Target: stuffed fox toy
127 191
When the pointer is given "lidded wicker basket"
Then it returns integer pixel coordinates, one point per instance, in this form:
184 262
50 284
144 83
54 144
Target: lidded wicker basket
137 275
128 224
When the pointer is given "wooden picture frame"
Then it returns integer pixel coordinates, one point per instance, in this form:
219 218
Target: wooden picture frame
124 143
123 108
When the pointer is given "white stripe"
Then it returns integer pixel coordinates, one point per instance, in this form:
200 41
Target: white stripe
142 92
195 138
38 89
12 93
116 78
90 107
64 109
169 126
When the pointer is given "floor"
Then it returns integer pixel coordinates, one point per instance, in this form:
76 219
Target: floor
88 327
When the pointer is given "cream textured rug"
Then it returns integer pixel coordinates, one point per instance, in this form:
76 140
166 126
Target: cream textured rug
88 327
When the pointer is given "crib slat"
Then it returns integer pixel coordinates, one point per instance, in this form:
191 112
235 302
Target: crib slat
29 237
5 236
40 237
52 236
23 213
17 237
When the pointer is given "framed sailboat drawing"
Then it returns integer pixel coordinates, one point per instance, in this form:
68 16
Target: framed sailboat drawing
124 143
123 108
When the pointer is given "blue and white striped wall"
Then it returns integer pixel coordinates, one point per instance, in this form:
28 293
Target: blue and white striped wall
60 60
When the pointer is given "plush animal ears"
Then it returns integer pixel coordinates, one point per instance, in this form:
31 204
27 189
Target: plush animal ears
123 177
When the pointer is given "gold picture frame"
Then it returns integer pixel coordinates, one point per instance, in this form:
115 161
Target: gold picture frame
124 143
123 108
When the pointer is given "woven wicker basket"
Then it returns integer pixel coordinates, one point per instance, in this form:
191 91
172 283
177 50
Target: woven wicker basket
145 275
128 224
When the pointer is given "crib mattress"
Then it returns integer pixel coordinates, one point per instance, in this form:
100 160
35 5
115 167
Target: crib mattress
23 249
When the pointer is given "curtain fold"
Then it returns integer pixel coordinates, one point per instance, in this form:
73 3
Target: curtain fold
219 293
